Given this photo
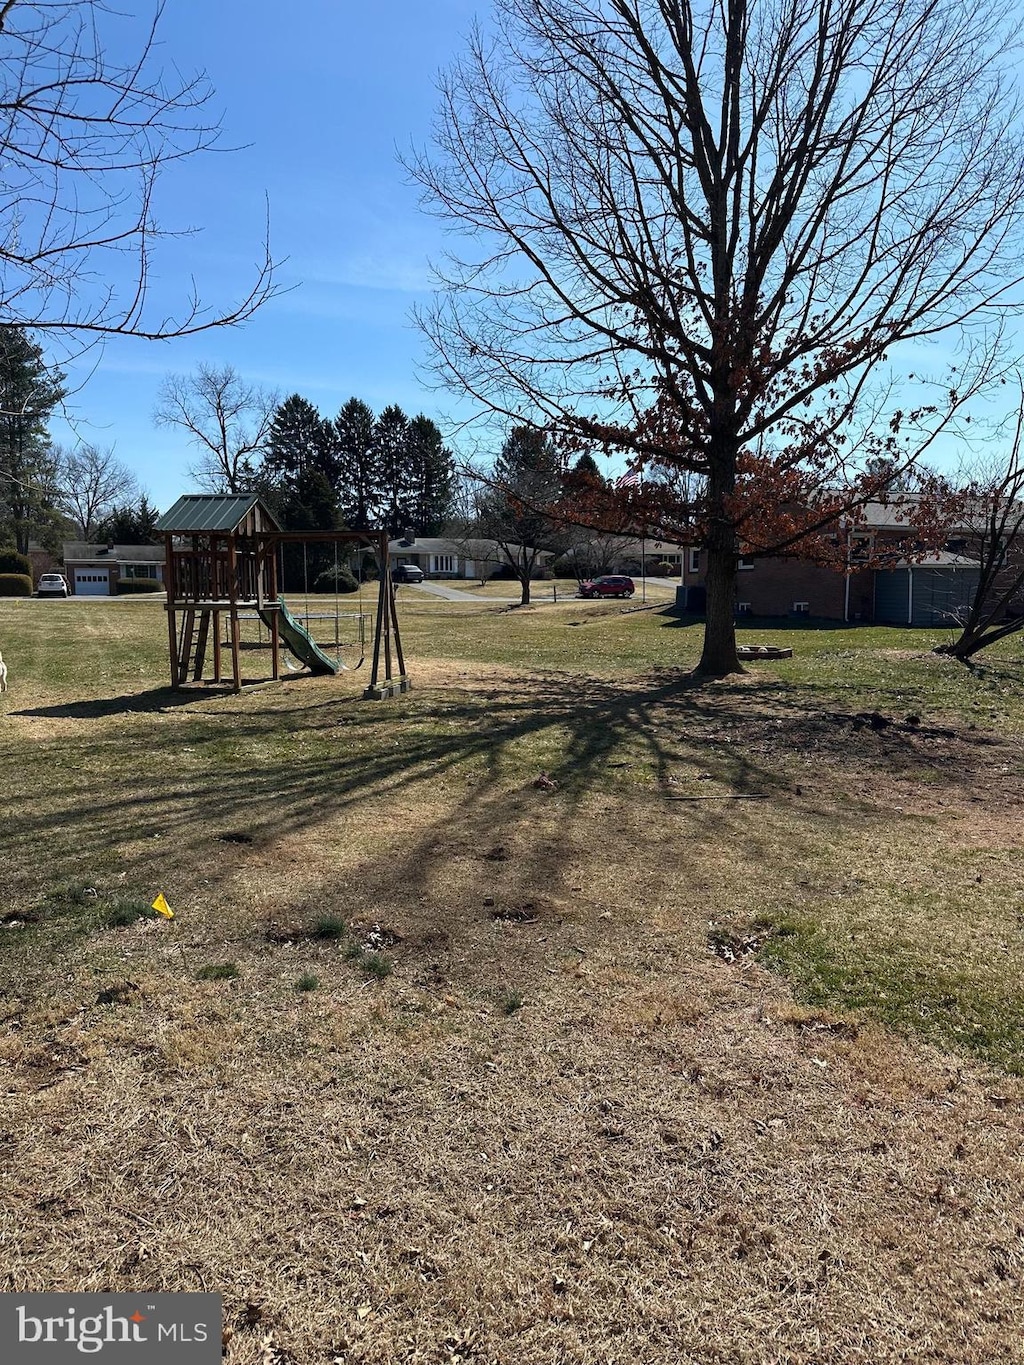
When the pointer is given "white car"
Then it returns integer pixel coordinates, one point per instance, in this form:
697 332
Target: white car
52 585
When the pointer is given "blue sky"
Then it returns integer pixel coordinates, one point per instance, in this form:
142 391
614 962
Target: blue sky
321 94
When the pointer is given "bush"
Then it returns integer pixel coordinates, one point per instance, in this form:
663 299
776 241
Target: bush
664 569
15 585
542 574
341 581
505 572
13 562
131 585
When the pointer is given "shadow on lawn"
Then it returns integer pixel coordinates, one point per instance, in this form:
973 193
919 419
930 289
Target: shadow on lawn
281 770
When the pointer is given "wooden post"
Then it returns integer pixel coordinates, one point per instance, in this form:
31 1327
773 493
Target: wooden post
172 618
275 634
394 622
216 646
236 642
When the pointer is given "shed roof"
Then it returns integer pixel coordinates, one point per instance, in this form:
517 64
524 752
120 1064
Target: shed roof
201 512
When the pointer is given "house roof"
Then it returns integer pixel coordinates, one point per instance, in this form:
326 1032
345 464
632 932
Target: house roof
76 551
942 559
467 549
203 512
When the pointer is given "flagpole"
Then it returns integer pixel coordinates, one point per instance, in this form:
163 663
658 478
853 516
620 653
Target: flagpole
643 543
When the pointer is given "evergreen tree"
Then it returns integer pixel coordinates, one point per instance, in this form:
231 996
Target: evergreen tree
357 483
431 471
391 456
299 470
29 487
130 524
586 466
527 477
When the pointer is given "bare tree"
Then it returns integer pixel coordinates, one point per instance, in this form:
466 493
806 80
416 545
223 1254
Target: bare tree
696 231
92 483
84 138
992 528
226 418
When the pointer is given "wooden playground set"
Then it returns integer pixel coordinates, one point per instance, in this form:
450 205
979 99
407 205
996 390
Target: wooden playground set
223 566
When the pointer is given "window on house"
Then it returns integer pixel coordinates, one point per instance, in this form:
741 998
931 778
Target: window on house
745 562
141 570
442 563
801 608
860 548
742 608
695 561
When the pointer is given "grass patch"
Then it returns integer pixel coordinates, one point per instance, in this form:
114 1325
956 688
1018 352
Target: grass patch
218 971
125 910
328 927
510 1001
307 982
953 1009
375 965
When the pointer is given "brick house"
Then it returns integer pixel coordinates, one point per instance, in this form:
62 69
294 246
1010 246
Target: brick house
924 593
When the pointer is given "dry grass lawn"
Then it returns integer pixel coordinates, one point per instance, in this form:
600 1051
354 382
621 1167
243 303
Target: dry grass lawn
596 1070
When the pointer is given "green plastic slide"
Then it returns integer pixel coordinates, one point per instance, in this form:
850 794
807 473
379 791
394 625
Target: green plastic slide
299 640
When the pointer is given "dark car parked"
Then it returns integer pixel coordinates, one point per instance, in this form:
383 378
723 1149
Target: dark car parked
408 573
609 585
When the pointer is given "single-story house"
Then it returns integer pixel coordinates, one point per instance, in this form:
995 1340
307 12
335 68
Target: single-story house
903 592
604 552
441 557
97 570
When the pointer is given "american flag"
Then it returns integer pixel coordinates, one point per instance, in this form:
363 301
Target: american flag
627 480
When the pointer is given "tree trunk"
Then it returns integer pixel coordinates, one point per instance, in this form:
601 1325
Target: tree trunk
718 658
524 583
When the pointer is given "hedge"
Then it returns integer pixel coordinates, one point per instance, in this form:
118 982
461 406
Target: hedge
15 585
344 582
130 585
13 562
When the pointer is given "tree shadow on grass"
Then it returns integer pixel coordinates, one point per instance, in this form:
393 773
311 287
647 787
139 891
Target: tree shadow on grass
279 771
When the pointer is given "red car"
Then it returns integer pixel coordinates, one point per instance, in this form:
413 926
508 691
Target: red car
610 585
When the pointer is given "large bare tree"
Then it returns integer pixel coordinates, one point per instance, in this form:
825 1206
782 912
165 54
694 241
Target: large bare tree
92 483
84 138
226 420
698 228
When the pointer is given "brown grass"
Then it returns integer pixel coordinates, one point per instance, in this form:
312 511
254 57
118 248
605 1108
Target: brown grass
659 1157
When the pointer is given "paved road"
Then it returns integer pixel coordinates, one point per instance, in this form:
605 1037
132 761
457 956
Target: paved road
541 593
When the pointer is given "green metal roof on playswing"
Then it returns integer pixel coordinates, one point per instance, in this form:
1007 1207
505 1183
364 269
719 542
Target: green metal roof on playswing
197 512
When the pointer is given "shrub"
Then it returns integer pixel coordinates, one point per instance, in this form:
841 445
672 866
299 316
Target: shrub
15 585
504 572
342 581
664 569
542 573
13 562
130 585
307 982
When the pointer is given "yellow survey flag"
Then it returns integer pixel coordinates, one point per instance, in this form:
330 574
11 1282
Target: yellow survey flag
162 908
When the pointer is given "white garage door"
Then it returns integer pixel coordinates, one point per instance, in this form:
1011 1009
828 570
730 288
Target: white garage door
92 582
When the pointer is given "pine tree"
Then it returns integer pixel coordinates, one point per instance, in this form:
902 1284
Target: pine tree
357 482
300 468
29 391
391 457
527 477
431 470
